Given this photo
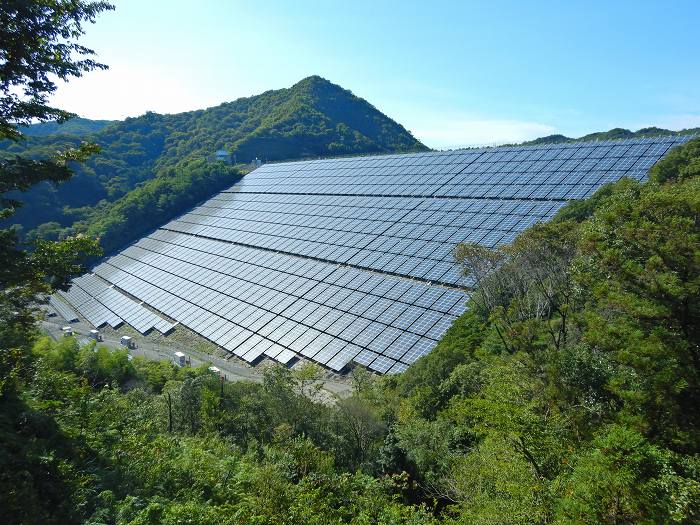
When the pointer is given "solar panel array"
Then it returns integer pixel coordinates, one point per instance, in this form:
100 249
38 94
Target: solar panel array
350 260
99 302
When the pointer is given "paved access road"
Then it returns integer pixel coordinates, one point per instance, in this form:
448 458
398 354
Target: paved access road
158 352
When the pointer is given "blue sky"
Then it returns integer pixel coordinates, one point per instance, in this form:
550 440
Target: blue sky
453 73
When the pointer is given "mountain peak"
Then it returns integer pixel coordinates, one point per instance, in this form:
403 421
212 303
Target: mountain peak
320 87
314 80
331 119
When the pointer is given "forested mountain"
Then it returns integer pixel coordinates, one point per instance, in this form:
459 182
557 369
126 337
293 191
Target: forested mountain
312 118
613 134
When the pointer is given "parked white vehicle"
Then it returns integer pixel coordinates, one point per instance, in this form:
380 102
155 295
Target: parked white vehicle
179 359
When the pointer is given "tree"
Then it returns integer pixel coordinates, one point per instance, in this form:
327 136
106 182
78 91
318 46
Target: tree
38 42
680 164
525 286
363 432
640 262
493 485
622 479
308 378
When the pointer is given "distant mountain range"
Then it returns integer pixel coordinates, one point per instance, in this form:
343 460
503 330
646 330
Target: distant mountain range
613 134
75 126
312 118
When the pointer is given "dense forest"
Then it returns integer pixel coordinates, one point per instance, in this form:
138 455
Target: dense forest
148 162
568 393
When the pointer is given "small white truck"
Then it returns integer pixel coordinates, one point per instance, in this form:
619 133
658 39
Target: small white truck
67 331
95 334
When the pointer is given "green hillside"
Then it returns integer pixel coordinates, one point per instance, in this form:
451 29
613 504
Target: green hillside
613 134
75 126
312 118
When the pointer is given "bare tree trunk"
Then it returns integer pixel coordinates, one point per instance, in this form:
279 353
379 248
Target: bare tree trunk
170 414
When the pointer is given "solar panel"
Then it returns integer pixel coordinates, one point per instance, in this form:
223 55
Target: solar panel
347 260
63 309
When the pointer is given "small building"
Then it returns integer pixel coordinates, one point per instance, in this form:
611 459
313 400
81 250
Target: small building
222 156
179 359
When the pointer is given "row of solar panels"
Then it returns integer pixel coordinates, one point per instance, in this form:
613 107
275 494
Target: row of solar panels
63 309
367 215
330 314
523 172
101 304
638 147
415 239
514 170
580 185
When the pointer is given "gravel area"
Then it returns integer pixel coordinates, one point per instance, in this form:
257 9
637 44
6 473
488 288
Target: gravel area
157 346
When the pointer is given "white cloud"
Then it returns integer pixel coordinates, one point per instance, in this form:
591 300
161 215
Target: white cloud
451 133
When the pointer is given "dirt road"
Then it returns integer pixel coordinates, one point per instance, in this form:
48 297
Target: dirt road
157 352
